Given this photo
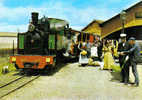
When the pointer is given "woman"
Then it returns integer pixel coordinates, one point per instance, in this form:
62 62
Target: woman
108 58
83 60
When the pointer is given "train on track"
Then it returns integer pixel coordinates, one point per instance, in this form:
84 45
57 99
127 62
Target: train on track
43 45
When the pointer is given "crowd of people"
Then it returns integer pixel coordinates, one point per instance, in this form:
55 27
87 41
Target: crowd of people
107 51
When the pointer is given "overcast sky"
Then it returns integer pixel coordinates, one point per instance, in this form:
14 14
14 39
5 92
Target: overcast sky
15 14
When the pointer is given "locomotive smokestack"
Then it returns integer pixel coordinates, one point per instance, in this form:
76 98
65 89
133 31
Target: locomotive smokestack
35 18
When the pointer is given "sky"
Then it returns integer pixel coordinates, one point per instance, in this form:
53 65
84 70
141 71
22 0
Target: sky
15 14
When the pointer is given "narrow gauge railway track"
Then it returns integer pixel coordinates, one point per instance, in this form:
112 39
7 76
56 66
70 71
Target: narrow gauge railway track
12 81
16 84
8 78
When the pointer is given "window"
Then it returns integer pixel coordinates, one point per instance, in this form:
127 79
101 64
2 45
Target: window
138 15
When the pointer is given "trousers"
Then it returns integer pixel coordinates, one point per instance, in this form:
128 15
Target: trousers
134 70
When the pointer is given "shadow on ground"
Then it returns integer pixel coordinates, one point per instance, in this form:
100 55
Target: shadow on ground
116 76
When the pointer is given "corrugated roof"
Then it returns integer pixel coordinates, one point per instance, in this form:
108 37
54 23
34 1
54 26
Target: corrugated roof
104 22
94 21
119 13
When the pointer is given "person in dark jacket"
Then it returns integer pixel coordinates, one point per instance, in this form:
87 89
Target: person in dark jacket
133 54
122 46
99 47
99 50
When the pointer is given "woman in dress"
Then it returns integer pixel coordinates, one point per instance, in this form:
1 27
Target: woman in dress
108 58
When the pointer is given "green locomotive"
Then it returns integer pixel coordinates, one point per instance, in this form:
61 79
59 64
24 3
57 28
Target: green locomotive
43 44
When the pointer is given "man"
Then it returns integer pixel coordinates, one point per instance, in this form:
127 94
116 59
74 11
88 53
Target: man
122 46
99 50
88 49
76 50
133 54
99 46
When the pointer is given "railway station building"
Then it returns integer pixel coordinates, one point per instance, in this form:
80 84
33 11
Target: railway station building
93 27
7 39
112 28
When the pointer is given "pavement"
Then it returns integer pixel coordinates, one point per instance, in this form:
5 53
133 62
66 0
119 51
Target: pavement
73 82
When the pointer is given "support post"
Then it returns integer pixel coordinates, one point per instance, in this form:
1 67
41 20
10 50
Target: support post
13 48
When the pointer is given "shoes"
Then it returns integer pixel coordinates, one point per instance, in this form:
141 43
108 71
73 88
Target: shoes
125 83
136 84
122 81
111 70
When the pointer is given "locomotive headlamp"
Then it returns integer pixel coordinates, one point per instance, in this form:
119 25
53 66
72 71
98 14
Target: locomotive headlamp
13 59
47 59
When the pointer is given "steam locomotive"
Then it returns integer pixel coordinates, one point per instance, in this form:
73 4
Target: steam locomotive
43 44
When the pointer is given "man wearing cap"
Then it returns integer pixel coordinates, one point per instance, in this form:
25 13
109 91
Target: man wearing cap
122 46
134 54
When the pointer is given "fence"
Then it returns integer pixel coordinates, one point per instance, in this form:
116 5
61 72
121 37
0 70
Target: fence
7 52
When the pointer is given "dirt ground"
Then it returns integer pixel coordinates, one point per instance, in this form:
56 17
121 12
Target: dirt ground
72 82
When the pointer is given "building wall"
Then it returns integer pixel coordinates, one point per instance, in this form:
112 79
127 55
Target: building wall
114 24
7 42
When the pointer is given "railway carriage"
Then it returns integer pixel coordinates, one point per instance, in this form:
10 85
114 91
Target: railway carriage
43 44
